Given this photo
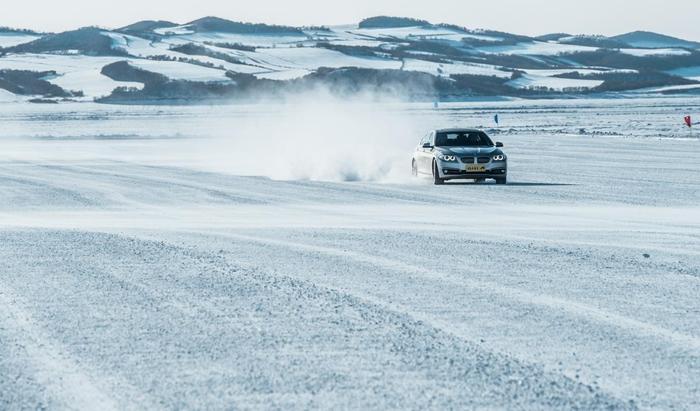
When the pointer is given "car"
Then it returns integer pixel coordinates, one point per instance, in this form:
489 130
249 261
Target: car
460 153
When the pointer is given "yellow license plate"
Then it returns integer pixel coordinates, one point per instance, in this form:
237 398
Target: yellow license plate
475 169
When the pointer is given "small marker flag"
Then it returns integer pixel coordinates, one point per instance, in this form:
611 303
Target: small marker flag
688 121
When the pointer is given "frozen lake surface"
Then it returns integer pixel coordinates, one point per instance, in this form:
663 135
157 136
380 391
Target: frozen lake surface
279 256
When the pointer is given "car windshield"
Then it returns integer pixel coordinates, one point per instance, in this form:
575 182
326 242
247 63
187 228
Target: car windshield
463 139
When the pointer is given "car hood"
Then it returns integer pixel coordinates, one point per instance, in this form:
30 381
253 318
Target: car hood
470 151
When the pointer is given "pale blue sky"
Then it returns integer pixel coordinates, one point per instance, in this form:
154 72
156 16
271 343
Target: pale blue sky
674 17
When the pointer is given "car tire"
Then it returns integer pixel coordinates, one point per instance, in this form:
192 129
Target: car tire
414 168
479 180
436 176
503 180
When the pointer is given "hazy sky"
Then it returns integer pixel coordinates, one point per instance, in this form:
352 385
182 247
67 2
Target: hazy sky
674 17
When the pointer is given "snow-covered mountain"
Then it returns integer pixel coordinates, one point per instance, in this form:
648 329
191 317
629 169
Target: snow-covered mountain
214 58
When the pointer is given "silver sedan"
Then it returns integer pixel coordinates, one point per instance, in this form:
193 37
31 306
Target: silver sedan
469 154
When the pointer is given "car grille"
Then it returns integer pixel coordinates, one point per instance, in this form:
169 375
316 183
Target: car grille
480 160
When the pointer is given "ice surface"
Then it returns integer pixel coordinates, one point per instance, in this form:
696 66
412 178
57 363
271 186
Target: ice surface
149 260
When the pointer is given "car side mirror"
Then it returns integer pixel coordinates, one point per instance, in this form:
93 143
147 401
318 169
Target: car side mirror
499 144
427 145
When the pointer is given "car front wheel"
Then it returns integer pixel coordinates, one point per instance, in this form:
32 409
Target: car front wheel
502 180
436 175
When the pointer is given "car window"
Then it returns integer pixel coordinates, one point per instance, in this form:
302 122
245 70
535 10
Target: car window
463 139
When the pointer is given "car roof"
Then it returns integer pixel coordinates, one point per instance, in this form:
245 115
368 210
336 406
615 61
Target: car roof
457 130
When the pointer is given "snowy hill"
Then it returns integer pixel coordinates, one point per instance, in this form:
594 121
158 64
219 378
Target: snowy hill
646 39
226 59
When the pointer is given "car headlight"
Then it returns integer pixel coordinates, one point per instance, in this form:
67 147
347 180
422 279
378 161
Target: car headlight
499 157
446 157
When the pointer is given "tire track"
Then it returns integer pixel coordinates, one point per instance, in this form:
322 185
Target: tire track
221 304
67 383
587 312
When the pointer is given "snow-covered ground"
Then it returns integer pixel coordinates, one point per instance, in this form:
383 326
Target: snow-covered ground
148 260
536 48
14 39
73 72
554 83
416 33
6 96
312 58
655 52
438 69
181 71
583 71
692 73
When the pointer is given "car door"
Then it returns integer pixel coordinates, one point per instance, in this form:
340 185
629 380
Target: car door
427 154
420 153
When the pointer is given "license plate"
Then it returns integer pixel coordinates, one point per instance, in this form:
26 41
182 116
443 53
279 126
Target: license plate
475 169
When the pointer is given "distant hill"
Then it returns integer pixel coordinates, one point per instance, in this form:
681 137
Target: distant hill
552 36
89 41
164 62
654 40
384 22
11 30
146 26
593 41
216 24
31 83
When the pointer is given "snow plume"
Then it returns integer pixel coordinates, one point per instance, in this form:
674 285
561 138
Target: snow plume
308 136
317 137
